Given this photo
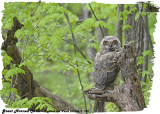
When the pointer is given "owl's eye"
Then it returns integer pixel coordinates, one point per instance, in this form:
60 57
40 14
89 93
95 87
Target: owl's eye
105 43
115 42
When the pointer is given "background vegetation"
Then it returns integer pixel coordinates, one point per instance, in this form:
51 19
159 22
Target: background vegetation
47 47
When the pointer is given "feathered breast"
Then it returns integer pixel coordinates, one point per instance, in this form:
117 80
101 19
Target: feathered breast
105 71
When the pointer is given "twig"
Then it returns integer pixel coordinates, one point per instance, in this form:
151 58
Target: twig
35 50
96 19
78 50
22 96
74 42
33 12
8 97
66 61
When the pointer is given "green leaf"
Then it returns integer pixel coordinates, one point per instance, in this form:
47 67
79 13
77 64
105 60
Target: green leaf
19 33
44 38
6 60
49 100
93 45
126 27
13 72
140 60
6 85
51 109
22 64
21 103
144 73
28 24
43 106
13 90
99 23
31 102
148 52
28 32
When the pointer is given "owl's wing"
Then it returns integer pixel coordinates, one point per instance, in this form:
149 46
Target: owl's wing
105 72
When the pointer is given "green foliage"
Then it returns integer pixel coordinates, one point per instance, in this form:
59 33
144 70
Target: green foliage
45 42
12 72
113 109
39 102
146 91
140 13
148 52
126 27
128 9
145 53
139 60
64 82
144 73
6 60
7 89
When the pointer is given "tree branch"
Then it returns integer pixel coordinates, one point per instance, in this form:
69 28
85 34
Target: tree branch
66 61
78 50
96 19
35 50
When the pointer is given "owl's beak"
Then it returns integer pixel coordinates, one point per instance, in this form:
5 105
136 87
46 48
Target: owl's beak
110 45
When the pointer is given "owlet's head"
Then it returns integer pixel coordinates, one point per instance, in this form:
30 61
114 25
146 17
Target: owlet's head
110 43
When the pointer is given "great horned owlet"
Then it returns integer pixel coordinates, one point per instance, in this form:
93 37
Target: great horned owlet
105 71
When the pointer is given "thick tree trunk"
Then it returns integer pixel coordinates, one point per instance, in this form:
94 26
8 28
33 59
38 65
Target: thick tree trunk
128 97
130 33
136 34
119 25
24 82
146 46
139 42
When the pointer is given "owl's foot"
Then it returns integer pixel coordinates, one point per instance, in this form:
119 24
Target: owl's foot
111 87
94 91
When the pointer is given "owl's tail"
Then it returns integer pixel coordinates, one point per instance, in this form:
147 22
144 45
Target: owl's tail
99 106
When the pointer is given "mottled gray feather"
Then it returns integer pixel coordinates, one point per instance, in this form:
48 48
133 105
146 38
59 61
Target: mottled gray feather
105 70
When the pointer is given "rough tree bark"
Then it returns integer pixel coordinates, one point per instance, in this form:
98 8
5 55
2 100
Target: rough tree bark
139 32
136 34
146 45
25 84
139 42
128 97
119 25
130 33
